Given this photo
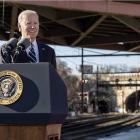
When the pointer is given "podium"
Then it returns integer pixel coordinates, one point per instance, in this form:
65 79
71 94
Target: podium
41 108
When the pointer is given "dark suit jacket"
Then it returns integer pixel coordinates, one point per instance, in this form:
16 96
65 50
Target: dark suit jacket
46 54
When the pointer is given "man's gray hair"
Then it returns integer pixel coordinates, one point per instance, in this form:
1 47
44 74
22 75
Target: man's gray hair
25 12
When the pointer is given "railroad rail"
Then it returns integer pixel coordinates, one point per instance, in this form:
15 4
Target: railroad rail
79 119
87 123
84 118
79 134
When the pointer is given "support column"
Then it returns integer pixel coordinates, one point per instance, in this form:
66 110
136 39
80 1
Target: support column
13 21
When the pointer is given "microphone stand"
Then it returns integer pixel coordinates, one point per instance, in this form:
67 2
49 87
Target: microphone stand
7 59
14 58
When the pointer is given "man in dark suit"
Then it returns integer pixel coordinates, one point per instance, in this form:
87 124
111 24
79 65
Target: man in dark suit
28 25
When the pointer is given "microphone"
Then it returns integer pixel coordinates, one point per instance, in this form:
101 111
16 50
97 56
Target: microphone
10 45
22 45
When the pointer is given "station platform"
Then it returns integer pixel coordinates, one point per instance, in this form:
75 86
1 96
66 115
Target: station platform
86 115
132 134
89 115
82 115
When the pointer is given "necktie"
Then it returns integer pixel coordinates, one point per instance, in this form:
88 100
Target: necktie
32 56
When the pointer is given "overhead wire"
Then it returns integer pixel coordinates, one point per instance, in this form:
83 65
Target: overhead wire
100 64
44 28
115 52
103 65
90 51
67 58
92 63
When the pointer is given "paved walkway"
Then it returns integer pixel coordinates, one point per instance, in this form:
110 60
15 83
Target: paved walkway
133 134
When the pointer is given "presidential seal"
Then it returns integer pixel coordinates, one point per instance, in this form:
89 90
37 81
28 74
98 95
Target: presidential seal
11 87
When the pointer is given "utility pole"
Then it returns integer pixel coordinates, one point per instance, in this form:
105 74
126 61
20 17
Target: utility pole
123 101
136 97
97 78
111 102
82 83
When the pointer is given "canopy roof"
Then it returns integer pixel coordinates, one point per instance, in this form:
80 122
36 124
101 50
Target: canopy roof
88 24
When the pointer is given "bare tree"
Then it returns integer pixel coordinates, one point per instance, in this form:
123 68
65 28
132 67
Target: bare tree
114 68
70 80
135 69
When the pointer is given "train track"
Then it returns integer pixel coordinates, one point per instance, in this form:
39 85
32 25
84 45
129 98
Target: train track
88 123
79 119
67 121
79 134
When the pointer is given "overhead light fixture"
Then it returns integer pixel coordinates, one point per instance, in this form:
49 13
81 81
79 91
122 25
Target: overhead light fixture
8 32
120 43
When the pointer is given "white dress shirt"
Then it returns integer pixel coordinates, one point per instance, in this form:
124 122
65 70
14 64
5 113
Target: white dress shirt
36 50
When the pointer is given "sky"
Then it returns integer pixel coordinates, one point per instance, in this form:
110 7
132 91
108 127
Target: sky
75 62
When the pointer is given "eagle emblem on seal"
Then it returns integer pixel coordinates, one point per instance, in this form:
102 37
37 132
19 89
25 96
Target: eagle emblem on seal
6 86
